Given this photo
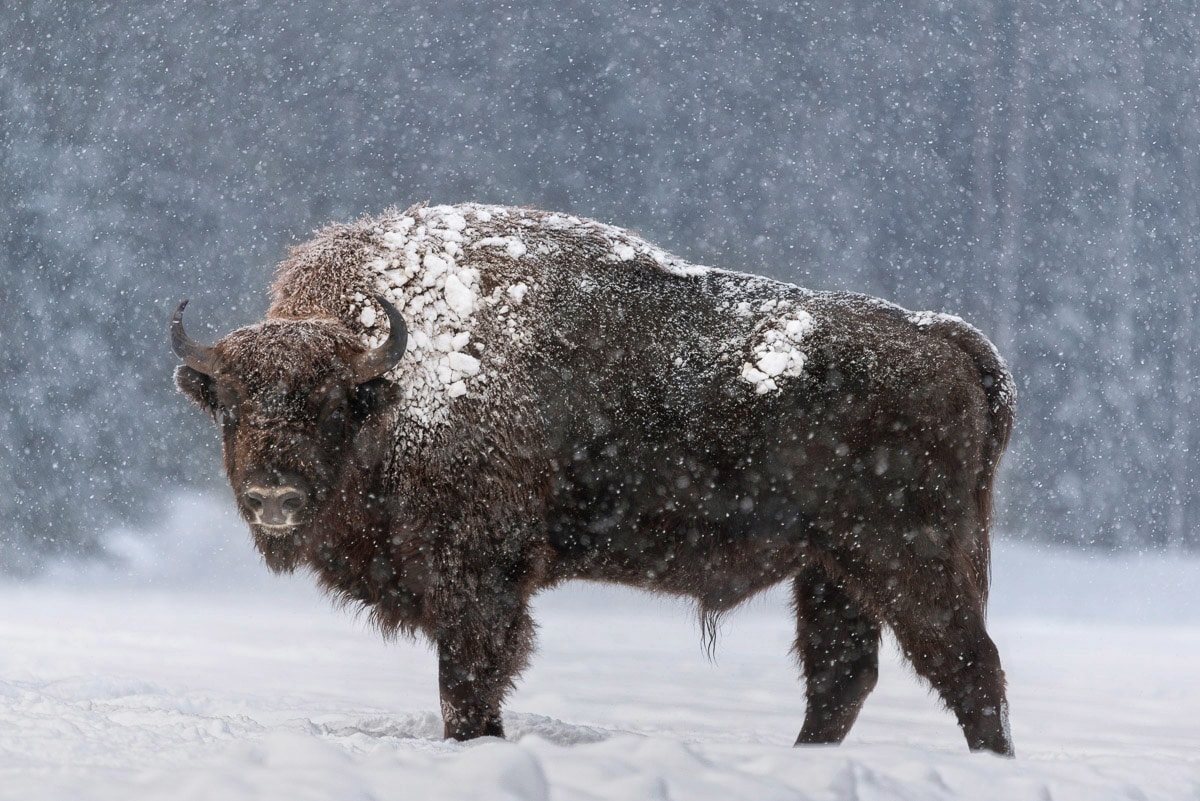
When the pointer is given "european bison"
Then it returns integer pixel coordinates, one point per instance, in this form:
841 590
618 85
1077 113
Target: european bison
574 403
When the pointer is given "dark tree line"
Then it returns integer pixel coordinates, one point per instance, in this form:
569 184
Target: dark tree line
1034 167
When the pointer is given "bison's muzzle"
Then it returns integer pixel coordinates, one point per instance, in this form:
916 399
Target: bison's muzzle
275 509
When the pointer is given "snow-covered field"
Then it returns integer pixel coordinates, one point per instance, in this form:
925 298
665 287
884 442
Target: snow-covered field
186 672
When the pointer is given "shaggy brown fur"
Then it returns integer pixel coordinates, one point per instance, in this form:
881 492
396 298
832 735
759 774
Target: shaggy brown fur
608 425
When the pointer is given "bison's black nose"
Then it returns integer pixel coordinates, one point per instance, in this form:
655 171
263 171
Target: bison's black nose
275 506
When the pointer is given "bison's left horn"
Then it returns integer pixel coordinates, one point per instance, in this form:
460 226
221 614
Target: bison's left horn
378 361
196 356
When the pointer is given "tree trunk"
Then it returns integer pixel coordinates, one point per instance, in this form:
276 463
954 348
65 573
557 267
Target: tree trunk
983 148
1181 529
1009 263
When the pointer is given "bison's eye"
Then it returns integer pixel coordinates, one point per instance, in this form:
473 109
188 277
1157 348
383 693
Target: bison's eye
333 423
332 419
226 406
227 415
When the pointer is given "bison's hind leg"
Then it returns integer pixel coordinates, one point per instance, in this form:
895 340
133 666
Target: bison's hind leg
932 601
837 643
960 660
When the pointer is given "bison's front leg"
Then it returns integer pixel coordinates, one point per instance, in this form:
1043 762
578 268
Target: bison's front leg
483 644
837 641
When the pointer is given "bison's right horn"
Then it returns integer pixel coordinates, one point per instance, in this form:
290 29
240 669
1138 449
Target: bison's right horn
196 356
378 361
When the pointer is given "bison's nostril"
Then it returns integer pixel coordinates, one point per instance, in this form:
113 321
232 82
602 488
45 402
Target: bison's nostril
292 502
254 500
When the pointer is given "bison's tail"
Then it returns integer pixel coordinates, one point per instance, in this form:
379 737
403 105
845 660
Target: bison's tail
1001 392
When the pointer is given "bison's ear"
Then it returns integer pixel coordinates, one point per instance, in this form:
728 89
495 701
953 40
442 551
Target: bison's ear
373 395
197 386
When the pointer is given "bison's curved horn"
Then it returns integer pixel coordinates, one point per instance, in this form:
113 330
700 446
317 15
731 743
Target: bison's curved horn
196 356
378 361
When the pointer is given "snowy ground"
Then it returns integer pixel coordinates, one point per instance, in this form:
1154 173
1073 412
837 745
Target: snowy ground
186 672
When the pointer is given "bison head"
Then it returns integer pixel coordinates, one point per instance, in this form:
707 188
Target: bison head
291 397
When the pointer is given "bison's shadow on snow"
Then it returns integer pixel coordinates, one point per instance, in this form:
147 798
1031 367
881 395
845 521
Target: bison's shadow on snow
428 726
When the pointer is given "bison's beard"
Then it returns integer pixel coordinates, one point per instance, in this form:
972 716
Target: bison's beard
282 553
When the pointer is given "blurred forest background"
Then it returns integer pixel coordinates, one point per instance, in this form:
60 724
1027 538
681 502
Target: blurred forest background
1034 167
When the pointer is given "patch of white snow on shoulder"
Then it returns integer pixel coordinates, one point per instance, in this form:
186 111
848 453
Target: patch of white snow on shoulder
773 362
417 267
454 221
463 363
513 245
516 248
778 350
459 296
